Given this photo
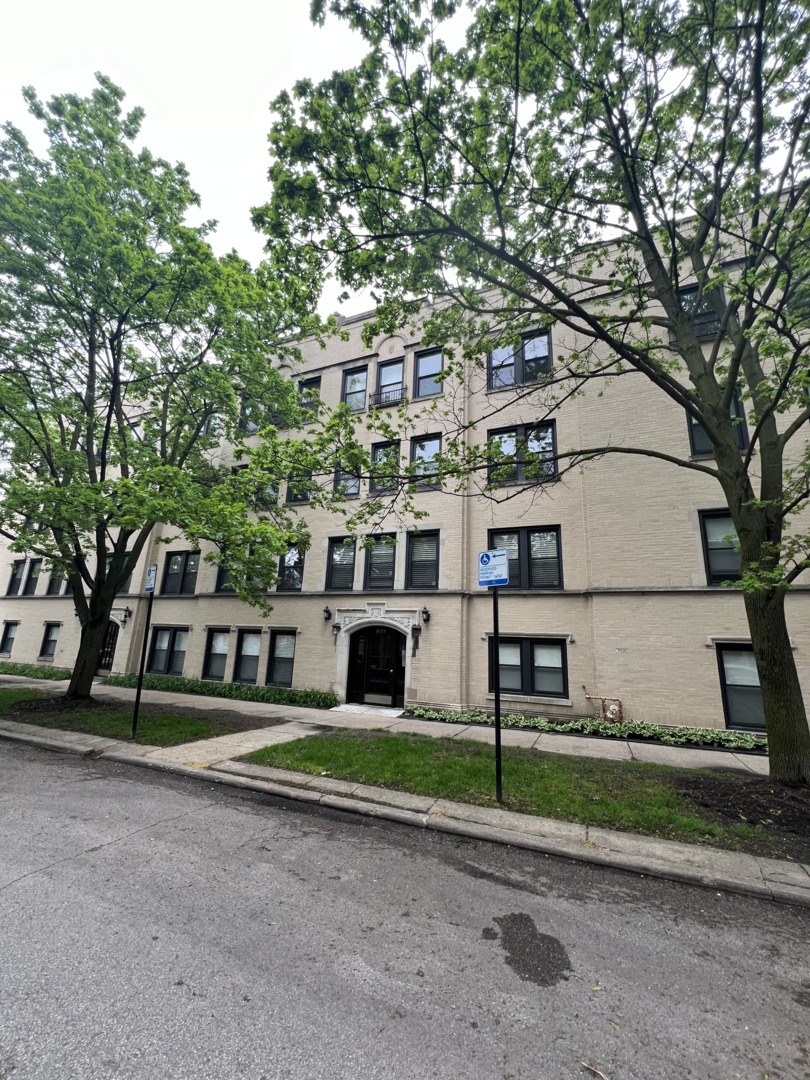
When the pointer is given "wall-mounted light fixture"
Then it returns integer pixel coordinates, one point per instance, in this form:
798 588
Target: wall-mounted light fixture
336 628
425 615
127 613
327 614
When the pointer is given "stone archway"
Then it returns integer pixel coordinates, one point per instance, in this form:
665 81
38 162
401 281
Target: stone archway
376 674
373 616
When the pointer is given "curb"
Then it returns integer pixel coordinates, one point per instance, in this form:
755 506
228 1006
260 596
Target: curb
478 823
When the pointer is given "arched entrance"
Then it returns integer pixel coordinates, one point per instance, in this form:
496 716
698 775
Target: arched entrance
105 660
376 673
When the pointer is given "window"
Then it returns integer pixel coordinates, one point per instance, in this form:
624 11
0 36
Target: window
9 633
17 571
347 483
354 389
282 655
34 570
55 583
216 654
248 647
523 454
49 639
384 467
534 556
530 666
511 365
291 571
299 486
127 585
310 397
423 458
700 441
340 570
169 646
428 381
720 551
704 320
389 384
248 420
224 583
423 561
380 563
739 681
180 572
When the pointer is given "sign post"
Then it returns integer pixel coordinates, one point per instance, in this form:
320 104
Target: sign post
493 570
149 588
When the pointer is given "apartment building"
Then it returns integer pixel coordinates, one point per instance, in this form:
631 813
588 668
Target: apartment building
615 570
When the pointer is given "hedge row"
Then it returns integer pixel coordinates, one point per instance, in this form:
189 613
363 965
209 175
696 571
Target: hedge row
273 695
34 671
635 729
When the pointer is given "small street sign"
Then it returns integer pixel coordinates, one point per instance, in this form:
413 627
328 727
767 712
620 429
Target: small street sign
151 578
493 567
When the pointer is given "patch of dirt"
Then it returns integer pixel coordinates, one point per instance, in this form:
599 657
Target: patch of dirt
755 800
61 704
53 705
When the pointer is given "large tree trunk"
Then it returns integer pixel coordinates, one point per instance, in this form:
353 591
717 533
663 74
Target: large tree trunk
785 716
86 666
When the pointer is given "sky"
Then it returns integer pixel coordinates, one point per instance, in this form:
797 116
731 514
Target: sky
205 73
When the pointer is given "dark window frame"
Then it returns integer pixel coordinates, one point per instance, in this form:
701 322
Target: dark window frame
430 377
184 575
376 485
524 561
734 646
390 394
346 476
209 637
271 679
713 578
336 543
126 588
698 433
432 479
7 646
519 362
16 579
56 582
367 586
237 663
344 394
222 584
704 320
527 664
171 651
282 567
31 578
522 433
48 646
300 496
309 396
412 537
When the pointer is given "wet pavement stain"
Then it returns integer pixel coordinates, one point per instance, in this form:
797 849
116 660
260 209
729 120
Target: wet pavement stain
540 958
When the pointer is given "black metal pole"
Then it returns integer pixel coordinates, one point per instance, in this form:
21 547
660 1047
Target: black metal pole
496 665
143 665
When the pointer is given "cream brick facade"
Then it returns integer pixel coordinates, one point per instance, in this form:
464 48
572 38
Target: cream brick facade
635 617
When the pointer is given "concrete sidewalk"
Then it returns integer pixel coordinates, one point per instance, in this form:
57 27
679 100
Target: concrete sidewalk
212 760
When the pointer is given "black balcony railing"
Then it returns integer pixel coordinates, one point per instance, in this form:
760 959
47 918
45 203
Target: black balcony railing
392 395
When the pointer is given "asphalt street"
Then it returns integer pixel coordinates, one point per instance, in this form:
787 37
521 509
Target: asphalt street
158 926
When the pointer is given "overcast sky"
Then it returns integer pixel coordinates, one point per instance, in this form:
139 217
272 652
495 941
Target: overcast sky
205 73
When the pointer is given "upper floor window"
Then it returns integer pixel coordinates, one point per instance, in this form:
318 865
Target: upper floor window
428 374
55 582
34 570
340 570
535 560
9 633
291 571
299 486
514 365
523 454
384 467
354 388
423 561
704 319
390 389
700 441
347 483
424 450
224 583
180 572
17 572
127 584
380 563
169 646
720 547
310 395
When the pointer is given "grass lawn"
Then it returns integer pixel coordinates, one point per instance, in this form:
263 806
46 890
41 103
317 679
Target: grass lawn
629 796
155 725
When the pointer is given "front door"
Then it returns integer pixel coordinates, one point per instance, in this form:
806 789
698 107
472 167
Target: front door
377 667
105 660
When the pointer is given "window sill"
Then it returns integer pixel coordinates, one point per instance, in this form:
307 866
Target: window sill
533 699
44 659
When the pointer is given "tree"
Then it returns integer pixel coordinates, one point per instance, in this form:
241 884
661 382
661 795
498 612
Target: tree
582 162
128 354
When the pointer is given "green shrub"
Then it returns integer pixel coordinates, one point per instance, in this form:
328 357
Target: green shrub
34 671
637 729
273 695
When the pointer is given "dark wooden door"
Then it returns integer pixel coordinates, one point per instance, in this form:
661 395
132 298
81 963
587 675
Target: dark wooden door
105 660
377 667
